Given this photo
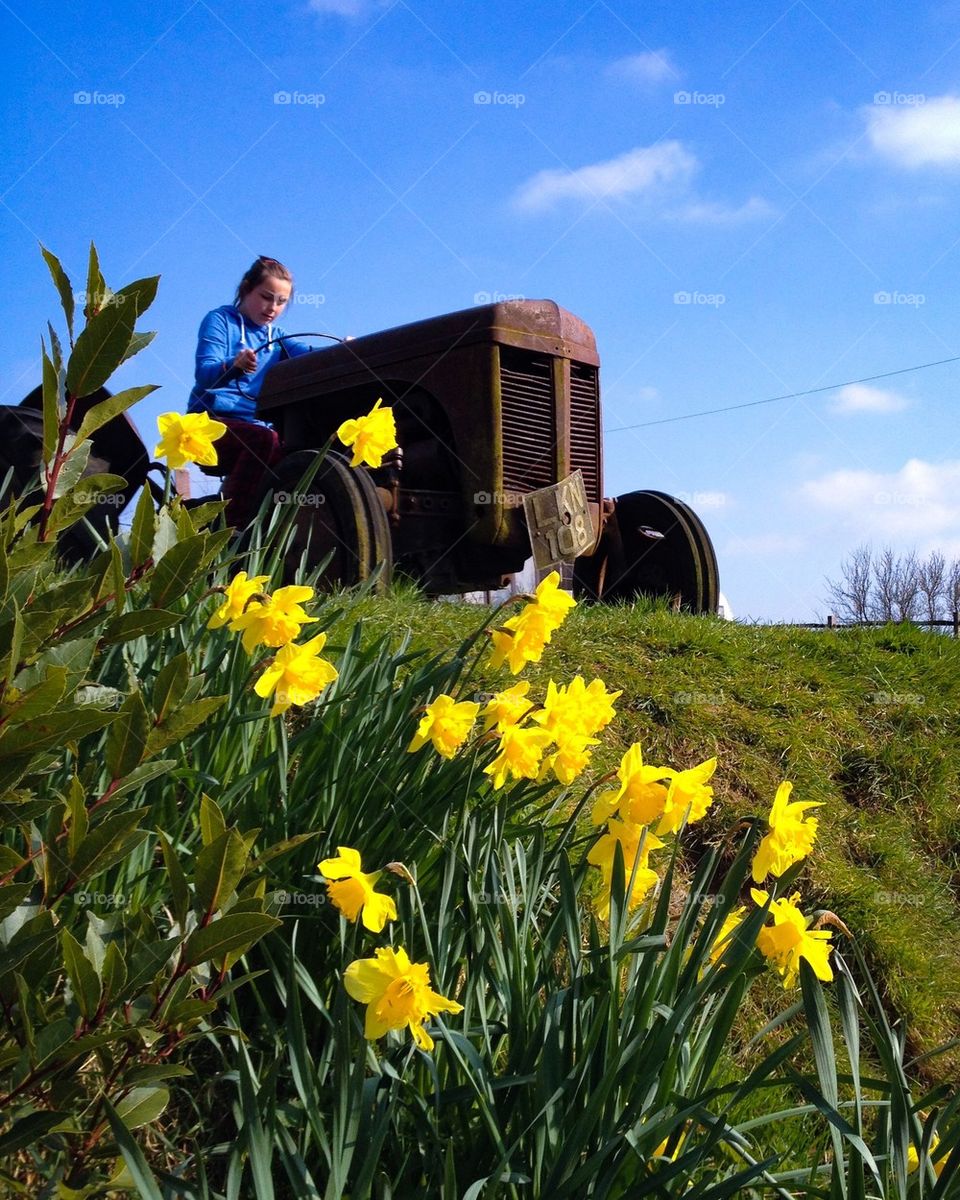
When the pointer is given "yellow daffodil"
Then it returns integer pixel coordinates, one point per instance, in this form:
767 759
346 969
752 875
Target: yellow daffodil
790 838
235 597
551 600
571 757
370 437
642 795
575 710
522 639
508 707
297 675
688 796
913 1158
447 723
275 621
519 754
789 939
188 437
730 923
397 993
352 891
636 842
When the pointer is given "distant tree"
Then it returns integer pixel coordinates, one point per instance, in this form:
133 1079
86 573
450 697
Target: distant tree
886 586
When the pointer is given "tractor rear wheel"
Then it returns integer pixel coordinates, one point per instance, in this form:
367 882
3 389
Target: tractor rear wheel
652 545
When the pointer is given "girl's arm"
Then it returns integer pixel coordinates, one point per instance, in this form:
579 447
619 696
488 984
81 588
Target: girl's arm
214 359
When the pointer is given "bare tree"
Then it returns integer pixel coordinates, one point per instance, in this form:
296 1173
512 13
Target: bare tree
932 582
849 597
886 586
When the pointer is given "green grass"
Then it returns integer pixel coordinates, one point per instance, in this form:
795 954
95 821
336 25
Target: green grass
862 720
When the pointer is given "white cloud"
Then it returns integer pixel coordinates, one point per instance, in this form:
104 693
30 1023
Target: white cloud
637 171
921 499
652 66
917 135
861 397
709 212
661 173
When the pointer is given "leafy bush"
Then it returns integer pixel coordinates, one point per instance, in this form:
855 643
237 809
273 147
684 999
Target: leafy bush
180 1009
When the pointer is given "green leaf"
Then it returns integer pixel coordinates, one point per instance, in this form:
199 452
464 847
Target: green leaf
114 973
170 685
137 343
175 572
141 293
100 348
12 896
212 823
97 291
79 818
28 1130
143 774
179 892
82 976
73 468
144 1180
165 537
229 933
142 529
127 737
53 729
87 493
39 699
51 405
182 721
219 868
106 844
142 1106
143 622
64 286
97 416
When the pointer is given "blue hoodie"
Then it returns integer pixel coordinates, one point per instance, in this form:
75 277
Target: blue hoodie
222 389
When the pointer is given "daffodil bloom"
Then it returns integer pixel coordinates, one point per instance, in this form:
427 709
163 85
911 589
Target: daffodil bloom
522 639
188 437
730 923
551 600
519 754
352 891
447 723
275 621
297 675
913 1158
688 796
575 710
397 993
789 939
642 795
571 757
236 595
636 842
508 707
790 838
370 437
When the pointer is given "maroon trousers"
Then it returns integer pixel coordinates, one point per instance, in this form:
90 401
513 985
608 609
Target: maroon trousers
248 452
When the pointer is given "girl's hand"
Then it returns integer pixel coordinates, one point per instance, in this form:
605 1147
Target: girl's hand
245 361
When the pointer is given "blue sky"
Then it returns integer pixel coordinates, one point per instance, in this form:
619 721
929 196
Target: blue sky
740 200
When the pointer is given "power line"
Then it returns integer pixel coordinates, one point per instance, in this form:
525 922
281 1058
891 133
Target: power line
829 387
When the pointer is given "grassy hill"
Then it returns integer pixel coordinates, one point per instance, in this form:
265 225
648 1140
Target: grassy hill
866 721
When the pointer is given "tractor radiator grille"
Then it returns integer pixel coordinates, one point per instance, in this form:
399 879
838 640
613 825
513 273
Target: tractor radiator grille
526 391
585 426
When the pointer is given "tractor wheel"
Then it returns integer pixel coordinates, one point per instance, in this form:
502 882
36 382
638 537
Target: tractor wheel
653 545
338 516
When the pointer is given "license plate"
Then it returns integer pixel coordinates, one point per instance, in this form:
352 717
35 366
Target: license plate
558 521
